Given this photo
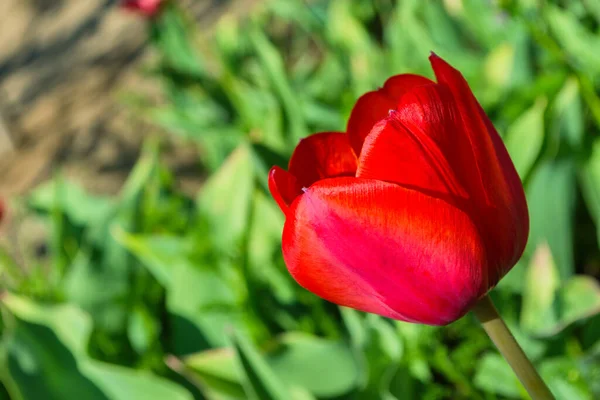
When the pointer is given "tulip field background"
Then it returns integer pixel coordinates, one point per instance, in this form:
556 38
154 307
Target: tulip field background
155 294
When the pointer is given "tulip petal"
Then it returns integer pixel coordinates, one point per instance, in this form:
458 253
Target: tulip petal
415 145
322 155
385 249
489 175
373 106
283 187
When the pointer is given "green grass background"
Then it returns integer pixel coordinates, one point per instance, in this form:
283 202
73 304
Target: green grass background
153 294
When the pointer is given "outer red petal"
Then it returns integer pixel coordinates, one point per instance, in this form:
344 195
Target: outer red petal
283 187
415 145
491 177
385 249
373 106
322 155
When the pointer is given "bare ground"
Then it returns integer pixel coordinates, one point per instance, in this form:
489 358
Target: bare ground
63 64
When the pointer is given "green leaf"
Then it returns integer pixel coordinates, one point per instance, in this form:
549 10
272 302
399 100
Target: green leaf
363 56
444 30
551 200
564 379
42 367
567 116
576 300
225 199
589 363
534 348
498 70
202 300
85 285
524 138
323 367
548 307
579 298
218 371
355 326
80 207
382 354
264 248
321 116
206 299
493 375
260 382
590 182
514 280
580 44
483 23
522 71
155 252
272 63
415 338
47 358
145 168
72 334
143 329
408 39
120 383
541 285
170 32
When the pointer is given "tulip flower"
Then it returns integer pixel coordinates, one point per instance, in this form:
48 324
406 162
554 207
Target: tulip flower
148 8
414 213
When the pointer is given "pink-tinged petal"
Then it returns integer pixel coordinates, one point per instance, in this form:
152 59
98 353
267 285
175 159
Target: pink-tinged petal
415 145
489 174
381 248
283 187
322 155
373 106
148 8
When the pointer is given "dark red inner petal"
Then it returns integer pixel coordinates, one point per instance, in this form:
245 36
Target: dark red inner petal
322 155
373 106
283 187
416 145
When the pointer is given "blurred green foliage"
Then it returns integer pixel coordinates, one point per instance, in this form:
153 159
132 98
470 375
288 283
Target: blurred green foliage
154 295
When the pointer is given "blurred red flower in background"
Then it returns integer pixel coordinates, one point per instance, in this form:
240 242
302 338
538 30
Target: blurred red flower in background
414 213
148 8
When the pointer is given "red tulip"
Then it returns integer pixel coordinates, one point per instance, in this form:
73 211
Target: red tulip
149 8
414 213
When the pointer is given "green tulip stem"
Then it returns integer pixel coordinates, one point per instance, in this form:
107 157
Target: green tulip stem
497 330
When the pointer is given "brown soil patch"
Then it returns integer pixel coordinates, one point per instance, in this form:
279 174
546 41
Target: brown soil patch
62 64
